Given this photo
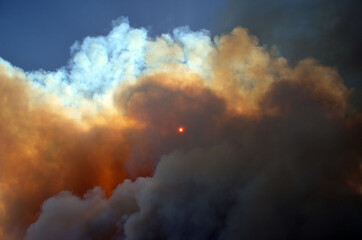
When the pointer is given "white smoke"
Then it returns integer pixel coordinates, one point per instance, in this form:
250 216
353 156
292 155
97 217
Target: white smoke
100 64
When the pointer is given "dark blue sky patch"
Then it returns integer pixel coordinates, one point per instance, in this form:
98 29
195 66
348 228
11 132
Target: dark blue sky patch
38 34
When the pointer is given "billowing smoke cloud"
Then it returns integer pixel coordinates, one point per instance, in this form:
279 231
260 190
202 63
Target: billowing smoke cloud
328 30
92 151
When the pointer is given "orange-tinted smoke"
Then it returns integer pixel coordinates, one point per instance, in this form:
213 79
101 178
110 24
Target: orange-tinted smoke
46 151
43 152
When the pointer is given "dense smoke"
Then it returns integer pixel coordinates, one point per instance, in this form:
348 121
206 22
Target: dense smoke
329 30
92 151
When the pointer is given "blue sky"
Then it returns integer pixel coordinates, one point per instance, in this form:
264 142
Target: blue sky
38 34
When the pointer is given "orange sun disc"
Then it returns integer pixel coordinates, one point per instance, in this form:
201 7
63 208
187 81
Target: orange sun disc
180 129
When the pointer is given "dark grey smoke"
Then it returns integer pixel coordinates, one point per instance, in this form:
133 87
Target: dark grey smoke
291 175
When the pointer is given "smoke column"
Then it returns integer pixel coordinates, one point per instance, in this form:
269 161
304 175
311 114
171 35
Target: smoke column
93 150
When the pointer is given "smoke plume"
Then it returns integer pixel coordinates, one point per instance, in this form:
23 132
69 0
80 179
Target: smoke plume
92 150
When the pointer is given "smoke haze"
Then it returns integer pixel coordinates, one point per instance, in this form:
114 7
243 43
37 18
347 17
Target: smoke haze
92 151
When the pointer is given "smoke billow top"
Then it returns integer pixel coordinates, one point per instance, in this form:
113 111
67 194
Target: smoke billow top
92 151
